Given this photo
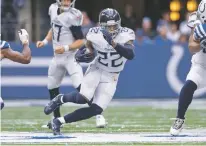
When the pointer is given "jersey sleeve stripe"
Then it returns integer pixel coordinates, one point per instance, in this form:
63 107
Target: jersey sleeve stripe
202 30
199 32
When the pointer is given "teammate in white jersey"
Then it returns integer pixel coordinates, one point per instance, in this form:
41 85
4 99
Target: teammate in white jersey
114 46
196 78
66 36
7 52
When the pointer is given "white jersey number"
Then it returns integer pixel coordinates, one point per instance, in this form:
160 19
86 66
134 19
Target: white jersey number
59 28
115 62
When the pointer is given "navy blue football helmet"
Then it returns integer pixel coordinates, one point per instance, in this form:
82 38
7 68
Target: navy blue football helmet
110 20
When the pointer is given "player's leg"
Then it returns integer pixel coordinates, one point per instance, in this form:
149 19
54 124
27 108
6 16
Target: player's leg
75 96
194 80
88 88
104 92
103 96
75 72
2 103
56 74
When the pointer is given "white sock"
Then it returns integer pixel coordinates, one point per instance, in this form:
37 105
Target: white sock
62 120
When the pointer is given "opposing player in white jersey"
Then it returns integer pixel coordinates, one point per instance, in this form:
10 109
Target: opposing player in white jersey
114 46
196 78
7 52
67 37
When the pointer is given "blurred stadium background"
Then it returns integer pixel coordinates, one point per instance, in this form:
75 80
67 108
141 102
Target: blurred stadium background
151 81
162 57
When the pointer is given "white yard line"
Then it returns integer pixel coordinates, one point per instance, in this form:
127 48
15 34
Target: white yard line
25 137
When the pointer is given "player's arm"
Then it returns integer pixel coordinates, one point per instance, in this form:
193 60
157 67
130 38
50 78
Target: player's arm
126 50
24 57
79 37
79 41
86 53
47 39
194 43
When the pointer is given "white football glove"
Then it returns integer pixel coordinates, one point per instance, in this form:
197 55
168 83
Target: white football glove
23 36
193 20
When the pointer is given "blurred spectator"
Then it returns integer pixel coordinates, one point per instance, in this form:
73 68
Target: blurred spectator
9 21
9 24
162 33
129 18
184 29
18 3
146 30
87 23
183 39
165 20
173 34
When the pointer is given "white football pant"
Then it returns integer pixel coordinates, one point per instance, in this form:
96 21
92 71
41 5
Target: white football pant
60 64
197 74
99 84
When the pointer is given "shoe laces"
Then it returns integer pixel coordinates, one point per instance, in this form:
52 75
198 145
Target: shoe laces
178 123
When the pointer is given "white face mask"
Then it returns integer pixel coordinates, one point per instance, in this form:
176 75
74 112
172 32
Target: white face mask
65 9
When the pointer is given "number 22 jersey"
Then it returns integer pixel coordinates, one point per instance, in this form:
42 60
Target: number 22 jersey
107 58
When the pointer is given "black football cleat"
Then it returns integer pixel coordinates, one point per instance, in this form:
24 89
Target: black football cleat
56 125
53 104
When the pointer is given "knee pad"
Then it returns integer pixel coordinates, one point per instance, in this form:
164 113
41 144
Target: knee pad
80 98
96 109
83 98
189 86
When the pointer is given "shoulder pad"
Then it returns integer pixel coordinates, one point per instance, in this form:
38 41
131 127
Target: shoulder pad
127 33
75 17
52 6
4 45
92 33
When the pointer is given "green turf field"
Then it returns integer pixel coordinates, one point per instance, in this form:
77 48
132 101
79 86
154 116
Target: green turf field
120 120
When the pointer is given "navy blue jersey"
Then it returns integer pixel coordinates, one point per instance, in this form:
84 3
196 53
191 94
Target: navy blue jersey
4 45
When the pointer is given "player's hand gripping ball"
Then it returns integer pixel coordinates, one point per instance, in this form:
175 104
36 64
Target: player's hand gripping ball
84 55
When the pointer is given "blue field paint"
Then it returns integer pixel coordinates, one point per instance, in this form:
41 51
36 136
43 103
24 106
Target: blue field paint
51 137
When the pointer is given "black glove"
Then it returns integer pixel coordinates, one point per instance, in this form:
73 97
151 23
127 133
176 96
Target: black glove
107 36
83 56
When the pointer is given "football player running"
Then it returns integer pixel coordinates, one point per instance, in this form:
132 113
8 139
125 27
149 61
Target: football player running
7 52
196 77
113 45
66 36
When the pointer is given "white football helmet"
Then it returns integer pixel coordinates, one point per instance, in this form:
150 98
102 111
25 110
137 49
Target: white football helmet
23 36
65 9
201 12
